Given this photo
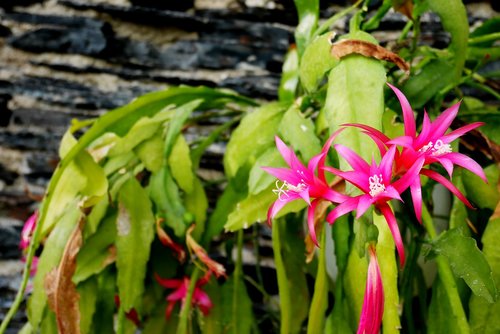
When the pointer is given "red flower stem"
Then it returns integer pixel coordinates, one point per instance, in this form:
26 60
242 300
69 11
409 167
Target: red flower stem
446 276
182 328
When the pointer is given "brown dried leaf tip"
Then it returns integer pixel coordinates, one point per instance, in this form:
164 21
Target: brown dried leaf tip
346 47
61 292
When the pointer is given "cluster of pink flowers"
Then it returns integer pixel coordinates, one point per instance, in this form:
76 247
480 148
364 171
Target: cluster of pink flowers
403 160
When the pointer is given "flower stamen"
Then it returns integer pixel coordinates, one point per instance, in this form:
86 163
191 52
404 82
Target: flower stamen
376 185
441 148
286 187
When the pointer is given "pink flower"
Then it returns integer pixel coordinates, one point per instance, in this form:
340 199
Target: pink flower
300 182
432 144
28 228
181 286
376 183
373 304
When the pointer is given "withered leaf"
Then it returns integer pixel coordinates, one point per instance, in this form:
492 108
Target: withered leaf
61 292
346 47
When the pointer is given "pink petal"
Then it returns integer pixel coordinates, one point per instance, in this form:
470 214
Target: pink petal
27 231
372 131
363 205
373 303
409 177
408 117
168 283
304 194
448 138
443 121
386 164
447 164
324 151
202 300
467 163
416 197
425 135
334 197
393 226
445 182
310 221
178 294
404 141
282 173
278 205
314 162
356 162
389 193
380 144
342 209
285 151
169 309
360 180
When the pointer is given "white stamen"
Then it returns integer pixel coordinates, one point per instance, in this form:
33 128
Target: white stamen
376 185
286 187
441 148
436 149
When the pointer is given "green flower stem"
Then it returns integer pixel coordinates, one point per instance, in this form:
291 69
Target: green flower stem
120 323
182 328
446 276
320 297
24 282
389 271
283 287
238 271
485 38
329 22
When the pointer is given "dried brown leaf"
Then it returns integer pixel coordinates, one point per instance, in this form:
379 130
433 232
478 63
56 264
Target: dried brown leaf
62 295
346 47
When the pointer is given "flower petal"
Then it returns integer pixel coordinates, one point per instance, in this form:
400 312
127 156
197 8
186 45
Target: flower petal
425 135
408 117
386 164
324 151
342 209
285 151
278 205
404 141
201 299
310 221
393 226
416 197
356 162
467 163
363 204
448 138
409 177
373 303
445 182
283 174
443 121
168 283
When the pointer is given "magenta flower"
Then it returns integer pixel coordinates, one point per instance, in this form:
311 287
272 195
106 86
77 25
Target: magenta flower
27 231
181 286
300 182
376 183
373 304
432 144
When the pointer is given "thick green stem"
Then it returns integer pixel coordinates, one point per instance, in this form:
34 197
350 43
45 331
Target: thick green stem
283 287
320 297
182 328
446 276
389 271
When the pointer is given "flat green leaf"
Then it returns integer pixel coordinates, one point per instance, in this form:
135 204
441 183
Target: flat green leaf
474 110
88 297
166 197
356 95
103 321
253 136
300 133
308 11
439 319
196 203
290 76
483 315
319 303
49 259
467 262
135 232
225 205
213 322
181 165
181 114
484 195
150 152
431 79
254 209
289 255
140 131
453 17
316 62
259 179
237 307
96 253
